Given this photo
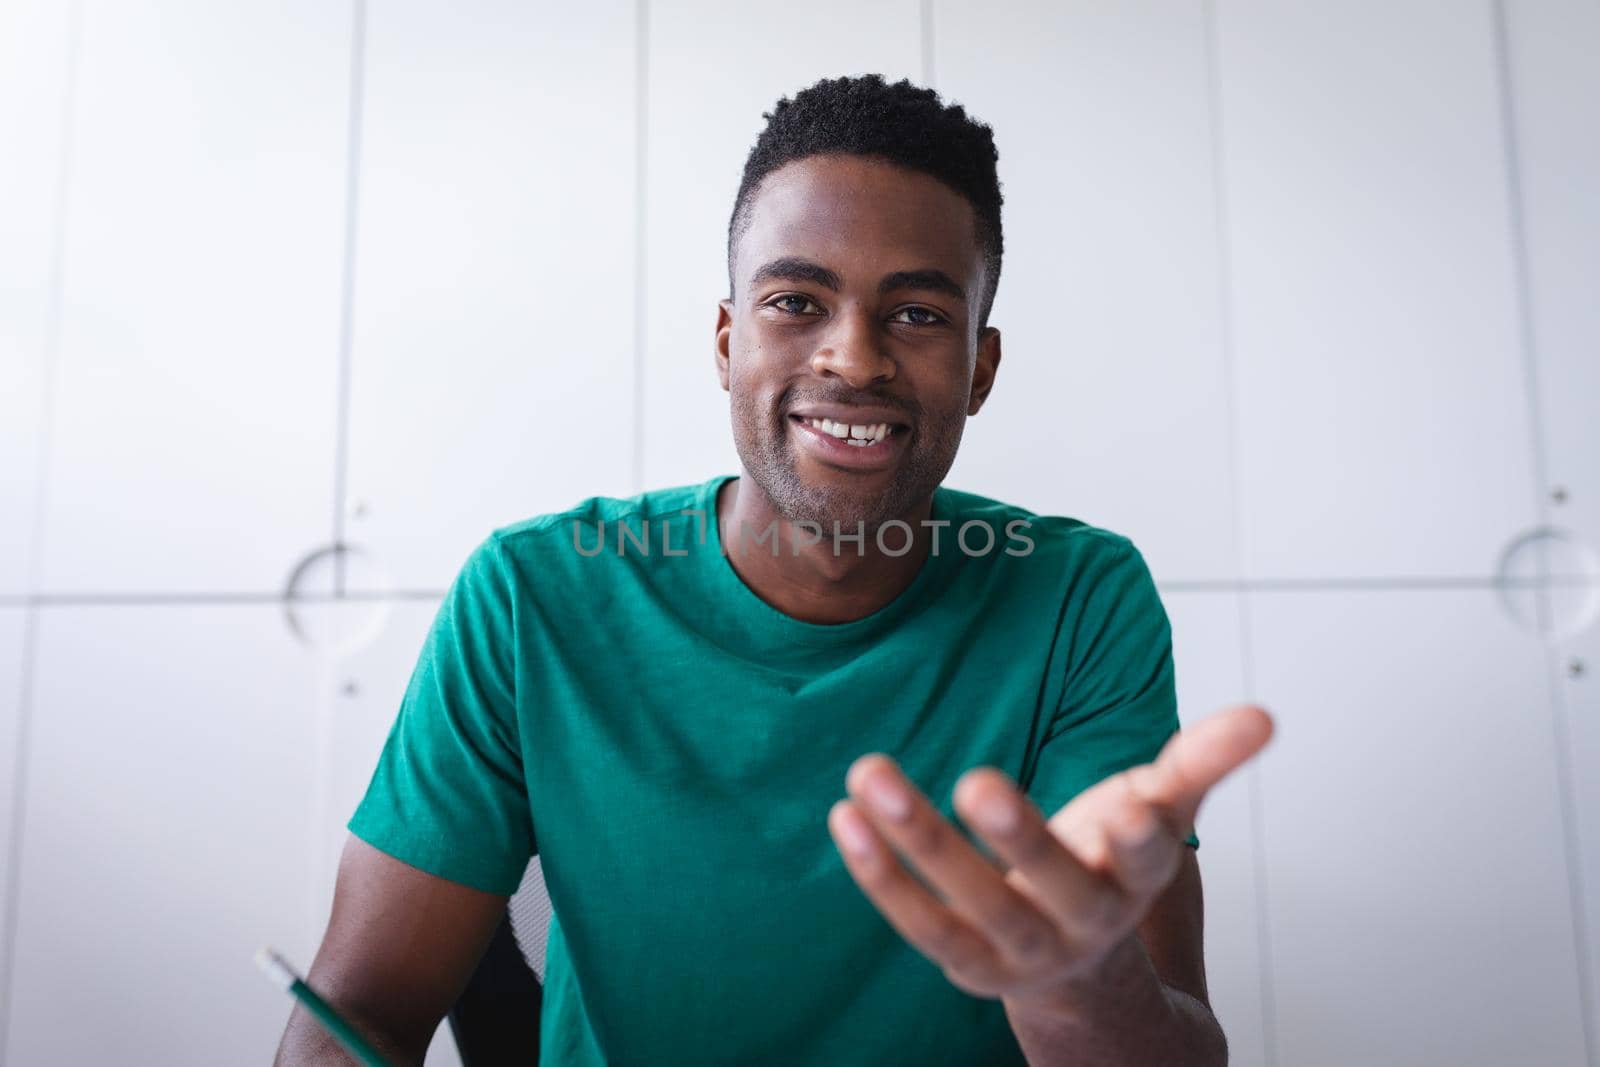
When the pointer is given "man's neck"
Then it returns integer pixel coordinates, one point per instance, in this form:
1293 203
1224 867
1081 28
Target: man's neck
826 582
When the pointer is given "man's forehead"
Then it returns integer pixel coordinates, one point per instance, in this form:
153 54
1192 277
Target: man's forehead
843 210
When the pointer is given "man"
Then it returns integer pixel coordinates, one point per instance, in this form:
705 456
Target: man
764 731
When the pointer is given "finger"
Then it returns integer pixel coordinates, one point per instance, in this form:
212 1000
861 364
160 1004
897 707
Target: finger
967 881
1087 907
947 939
1143 848
1199 757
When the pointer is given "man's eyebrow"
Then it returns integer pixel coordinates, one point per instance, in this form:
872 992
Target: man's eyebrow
933 280
797 269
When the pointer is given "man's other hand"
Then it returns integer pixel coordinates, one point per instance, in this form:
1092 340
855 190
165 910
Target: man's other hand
1066 892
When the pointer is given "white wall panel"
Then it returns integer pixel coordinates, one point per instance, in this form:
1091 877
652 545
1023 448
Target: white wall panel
1416 874
492 374
193 435
34 60
166 837
358 696
1555 92
715 67
1111 403
1209 661
361 696
12 623
1382 409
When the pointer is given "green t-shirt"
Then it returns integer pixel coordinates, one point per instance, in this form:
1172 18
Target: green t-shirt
670 745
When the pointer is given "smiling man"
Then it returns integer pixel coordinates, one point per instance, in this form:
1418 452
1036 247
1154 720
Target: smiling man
825 762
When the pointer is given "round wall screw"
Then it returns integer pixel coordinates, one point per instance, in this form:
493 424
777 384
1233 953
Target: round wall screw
358 509
1559 494
1575 667
350 688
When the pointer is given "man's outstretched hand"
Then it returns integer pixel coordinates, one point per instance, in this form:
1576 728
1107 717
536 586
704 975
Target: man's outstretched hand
1076 885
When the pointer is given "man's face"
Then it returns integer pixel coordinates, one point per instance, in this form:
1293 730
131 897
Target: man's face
857 290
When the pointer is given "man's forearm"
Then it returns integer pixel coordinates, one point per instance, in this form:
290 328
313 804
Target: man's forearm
1122 1015
306 1042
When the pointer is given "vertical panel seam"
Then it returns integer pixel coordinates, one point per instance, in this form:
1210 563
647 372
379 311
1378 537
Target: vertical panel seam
1226 340
1527 339
1561 736
51 354
25 701
1517 238
322 715
641 249
347 284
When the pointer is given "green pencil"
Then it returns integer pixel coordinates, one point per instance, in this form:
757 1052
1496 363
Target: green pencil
283 977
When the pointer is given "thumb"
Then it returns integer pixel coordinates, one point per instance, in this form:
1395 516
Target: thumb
1200 756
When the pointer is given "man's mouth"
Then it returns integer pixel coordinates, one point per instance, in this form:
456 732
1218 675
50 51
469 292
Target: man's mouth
851 433
859 446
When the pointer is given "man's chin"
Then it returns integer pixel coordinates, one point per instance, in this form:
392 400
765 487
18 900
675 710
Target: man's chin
847 498
803 489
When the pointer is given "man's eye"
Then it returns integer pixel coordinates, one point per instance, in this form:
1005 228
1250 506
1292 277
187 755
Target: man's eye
792 296
932 319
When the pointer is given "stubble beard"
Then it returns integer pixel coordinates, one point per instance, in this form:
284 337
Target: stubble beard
769 457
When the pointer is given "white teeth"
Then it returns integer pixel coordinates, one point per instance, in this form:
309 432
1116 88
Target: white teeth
852 433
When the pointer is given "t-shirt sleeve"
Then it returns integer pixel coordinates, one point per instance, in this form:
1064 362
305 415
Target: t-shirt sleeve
449 794
1119 702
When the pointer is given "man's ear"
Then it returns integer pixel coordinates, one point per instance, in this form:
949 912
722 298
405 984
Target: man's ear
983 371
724 332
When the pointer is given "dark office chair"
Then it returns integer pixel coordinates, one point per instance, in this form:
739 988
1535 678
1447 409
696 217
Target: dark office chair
496 1020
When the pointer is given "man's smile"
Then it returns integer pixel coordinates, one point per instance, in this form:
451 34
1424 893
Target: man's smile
856 438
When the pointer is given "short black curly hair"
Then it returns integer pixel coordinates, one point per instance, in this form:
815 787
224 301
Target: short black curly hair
901 123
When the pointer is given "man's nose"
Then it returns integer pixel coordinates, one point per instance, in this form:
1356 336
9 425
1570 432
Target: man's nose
854 350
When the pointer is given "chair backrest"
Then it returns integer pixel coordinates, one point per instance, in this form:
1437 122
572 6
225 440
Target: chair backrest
496 1019
530 916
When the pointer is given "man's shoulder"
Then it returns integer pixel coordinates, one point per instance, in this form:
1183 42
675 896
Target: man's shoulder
1052 536
594 512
